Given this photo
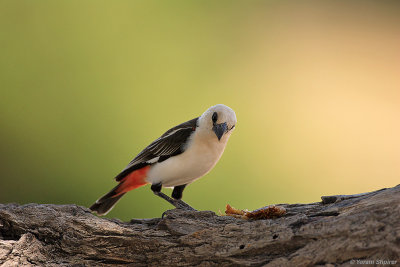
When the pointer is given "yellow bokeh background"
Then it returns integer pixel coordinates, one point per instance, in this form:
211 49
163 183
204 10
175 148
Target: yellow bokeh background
86 85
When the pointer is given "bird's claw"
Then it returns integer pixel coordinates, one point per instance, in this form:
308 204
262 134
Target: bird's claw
179 204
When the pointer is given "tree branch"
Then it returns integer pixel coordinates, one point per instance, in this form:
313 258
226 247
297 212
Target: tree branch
335 231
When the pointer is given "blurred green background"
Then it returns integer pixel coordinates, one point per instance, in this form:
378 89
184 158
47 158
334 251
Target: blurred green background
86 85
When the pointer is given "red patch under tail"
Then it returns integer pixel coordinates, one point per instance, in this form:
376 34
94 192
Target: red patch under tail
132 181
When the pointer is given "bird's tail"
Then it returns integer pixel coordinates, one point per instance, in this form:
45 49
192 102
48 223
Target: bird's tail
133 180
105 204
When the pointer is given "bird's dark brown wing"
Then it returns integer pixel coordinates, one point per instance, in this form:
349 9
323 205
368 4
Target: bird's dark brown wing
170 144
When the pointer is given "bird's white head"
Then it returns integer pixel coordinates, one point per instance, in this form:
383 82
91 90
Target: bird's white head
219 121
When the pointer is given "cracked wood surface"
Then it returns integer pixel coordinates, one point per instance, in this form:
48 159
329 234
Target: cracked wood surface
339 229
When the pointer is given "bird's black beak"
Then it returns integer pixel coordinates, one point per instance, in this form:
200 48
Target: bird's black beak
220 129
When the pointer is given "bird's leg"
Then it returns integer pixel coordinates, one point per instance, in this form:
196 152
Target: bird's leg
179 204
177 196
156 188
178 191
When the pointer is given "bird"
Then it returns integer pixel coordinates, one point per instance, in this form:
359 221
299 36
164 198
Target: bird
177 158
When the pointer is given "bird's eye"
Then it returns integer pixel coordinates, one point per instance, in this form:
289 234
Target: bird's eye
214 117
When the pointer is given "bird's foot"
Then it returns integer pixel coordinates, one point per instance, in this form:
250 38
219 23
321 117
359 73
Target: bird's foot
177 203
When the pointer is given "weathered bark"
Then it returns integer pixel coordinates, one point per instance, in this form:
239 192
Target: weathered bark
335 232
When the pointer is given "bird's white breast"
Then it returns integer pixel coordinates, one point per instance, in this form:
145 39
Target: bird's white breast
198 159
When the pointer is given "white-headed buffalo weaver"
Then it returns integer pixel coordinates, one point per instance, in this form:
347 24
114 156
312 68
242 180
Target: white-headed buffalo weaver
180 156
